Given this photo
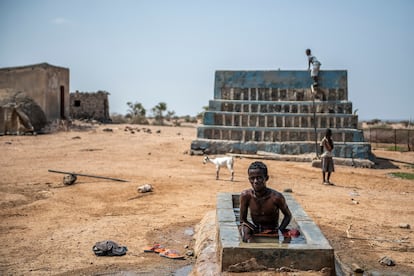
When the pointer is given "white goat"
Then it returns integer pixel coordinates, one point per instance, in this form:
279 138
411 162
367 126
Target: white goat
227 161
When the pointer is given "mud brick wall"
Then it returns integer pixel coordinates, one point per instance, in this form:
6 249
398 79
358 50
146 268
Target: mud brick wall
85 105
46 84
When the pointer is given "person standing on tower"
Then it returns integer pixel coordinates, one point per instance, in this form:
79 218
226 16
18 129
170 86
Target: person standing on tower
313 65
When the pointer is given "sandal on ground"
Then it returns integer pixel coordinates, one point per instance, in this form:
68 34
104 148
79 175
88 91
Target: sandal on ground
172 254
156 248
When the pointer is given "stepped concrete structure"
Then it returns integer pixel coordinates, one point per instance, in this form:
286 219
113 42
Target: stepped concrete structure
279 112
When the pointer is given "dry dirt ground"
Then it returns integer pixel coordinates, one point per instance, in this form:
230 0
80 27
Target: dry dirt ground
48 228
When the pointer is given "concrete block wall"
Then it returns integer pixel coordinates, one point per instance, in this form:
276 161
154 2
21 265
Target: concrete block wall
338 107
90 105
279 134
280 94
238 119
278 80
277 111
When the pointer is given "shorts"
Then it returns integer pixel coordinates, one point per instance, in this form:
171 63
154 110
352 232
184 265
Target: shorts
328 164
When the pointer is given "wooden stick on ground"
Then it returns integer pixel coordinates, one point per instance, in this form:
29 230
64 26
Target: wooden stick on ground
87 175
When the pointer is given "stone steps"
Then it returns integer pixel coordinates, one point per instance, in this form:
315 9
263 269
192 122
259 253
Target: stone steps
278 112
275 134
337 107
281 94
299 120
360 150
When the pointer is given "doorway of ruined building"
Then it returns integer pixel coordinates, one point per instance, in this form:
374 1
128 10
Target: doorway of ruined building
62 102
106 109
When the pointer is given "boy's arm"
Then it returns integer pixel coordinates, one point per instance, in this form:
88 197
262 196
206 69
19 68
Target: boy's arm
287 215
322 145
243 208
244 205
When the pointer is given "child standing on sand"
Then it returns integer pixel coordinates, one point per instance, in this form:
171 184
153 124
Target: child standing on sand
327 157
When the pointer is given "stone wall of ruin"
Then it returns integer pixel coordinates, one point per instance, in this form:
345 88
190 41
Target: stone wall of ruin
46 84
90 106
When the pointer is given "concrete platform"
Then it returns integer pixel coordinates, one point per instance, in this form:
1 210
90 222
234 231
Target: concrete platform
360 150
311 252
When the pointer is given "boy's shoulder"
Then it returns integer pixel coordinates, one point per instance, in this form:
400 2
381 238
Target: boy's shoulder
246 192
275 192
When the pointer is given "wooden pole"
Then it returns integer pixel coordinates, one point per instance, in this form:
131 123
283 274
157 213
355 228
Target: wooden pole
87 175
314 119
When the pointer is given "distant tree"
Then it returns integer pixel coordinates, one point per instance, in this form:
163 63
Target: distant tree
136 109
136 113
170 115
374 122
158 112
187 118
405 123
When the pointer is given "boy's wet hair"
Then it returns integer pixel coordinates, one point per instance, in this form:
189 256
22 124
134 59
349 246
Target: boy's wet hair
328 132
258 165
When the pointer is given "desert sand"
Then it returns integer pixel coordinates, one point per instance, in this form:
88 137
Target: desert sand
48 228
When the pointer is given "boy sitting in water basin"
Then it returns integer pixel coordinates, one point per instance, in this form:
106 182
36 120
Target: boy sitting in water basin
264 204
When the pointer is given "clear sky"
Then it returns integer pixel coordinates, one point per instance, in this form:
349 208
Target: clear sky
152 51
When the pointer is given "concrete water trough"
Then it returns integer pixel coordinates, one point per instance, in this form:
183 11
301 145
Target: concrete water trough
310 251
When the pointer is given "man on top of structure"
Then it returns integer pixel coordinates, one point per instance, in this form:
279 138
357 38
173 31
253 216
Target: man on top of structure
314 66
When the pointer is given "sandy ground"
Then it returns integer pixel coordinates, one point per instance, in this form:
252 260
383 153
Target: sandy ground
49 228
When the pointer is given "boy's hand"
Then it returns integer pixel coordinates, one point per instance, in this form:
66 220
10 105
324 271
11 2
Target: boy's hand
287 233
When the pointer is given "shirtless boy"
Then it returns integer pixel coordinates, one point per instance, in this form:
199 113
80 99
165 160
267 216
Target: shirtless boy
264 204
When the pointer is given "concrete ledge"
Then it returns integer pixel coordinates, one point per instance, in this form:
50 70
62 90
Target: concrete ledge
283 79
355 150
296 107
314 254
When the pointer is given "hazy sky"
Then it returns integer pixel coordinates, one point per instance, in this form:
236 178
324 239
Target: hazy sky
167 51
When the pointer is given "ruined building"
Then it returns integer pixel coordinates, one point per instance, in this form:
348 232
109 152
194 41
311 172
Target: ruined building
32 95
94 106
277 112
